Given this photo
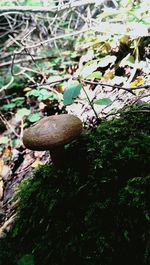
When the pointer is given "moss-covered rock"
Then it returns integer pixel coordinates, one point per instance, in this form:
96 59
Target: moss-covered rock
94 212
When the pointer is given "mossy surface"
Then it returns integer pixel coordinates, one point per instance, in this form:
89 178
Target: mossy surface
94 212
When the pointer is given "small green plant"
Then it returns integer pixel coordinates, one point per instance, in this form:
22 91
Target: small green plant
26 260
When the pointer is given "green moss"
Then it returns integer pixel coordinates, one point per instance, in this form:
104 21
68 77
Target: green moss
94 212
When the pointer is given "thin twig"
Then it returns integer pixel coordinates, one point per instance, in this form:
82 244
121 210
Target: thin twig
117 86
7 124
101 84
6 86
7 225
62 36
12 67
35 9
24 60
90 103
52 82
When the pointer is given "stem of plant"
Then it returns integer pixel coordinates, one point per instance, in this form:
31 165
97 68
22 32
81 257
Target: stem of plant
91 104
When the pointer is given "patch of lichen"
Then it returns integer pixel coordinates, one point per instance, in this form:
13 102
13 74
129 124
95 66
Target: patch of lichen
95 211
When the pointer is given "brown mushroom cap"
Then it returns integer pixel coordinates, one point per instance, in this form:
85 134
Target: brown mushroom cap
52 131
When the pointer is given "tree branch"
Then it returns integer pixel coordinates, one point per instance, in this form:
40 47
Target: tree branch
58 8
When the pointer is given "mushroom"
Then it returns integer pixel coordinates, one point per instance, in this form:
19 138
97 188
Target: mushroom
52 133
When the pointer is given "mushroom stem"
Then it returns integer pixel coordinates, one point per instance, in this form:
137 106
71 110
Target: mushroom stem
58 156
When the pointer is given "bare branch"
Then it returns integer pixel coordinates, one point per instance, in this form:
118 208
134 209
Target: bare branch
58 8
58 37
23 60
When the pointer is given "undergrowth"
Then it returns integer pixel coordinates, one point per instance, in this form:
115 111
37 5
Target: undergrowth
94 212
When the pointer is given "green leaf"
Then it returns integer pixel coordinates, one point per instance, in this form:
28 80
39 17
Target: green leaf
22 112
107 60
41 94
35 117
96 74
71 92
16 142
88 69
18 101
26 260
8 106
131 59
44 94
128 60
33 3
34 92
4 140
88 56
103 101
126 235
147 216
55 61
